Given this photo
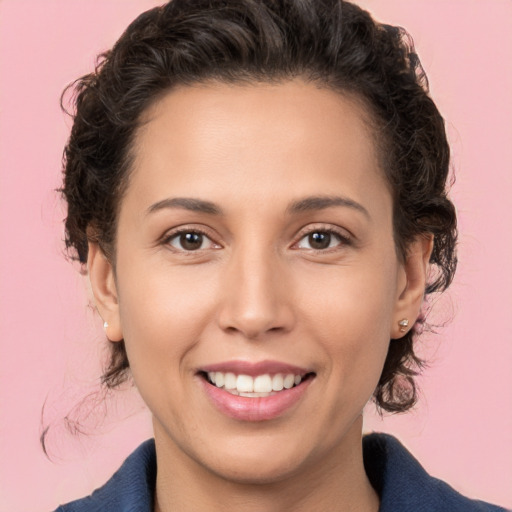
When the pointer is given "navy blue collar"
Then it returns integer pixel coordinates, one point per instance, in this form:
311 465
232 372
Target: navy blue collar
402 484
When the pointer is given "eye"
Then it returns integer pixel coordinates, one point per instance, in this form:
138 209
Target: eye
322 239
190 241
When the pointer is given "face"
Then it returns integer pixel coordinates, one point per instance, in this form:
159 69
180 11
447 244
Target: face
256 282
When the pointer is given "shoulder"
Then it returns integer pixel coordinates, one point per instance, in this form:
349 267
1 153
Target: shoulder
403 484
131 488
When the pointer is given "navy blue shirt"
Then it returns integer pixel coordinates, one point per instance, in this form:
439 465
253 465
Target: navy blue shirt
402 484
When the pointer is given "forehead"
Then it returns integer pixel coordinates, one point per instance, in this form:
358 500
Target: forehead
260 140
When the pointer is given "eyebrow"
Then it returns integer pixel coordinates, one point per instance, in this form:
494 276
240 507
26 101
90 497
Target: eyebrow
323 202
186 203
299 206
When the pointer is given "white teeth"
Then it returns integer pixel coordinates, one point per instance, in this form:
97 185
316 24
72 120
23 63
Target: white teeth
229 381
245 383
219 379
288 381
262 385
255 395
277 382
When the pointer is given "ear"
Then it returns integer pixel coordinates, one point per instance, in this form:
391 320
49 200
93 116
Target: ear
412 283
102 279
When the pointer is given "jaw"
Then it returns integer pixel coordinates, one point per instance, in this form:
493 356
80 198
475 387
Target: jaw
243 481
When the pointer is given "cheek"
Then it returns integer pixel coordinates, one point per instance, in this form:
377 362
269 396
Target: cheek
351 300
356 343
350 314
163 313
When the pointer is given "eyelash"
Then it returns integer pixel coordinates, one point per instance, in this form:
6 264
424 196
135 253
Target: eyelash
185 231
344 239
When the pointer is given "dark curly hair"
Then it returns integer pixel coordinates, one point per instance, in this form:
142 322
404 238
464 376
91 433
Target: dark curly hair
332 43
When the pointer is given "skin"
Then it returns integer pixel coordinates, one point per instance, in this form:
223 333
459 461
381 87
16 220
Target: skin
257 290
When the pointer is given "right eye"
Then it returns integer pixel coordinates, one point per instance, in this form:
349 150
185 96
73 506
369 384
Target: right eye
189 240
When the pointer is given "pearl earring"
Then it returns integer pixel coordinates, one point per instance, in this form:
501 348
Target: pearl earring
404 323
105 325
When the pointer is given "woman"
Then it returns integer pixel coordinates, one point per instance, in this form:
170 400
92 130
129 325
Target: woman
257 190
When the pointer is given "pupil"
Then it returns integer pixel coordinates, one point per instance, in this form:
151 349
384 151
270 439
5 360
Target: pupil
191 241
319 240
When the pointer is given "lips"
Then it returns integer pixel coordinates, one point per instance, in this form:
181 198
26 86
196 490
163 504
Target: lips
254 391
254 369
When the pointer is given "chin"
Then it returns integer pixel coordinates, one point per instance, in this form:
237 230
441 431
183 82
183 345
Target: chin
256 471
259 459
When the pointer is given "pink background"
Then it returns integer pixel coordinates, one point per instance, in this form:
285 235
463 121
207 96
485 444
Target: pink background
51 341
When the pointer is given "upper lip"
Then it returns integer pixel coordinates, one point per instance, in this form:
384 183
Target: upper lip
255 368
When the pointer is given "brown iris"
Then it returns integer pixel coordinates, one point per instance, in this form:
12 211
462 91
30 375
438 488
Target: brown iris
191 241
319 240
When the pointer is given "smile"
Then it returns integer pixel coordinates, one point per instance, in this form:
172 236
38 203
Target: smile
255 387
254 391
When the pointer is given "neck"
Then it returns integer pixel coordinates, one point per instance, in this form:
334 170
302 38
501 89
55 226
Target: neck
336 483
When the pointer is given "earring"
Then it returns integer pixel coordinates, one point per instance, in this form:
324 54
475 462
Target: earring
105 325
403 324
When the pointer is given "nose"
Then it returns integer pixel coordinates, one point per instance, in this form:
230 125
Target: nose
257 296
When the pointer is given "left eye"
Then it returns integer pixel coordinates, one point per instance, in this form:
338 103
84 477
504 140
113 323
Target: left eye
189 241
319 240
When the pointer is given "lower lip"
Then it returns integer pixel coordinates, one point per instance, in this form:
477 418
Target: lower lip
254 409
